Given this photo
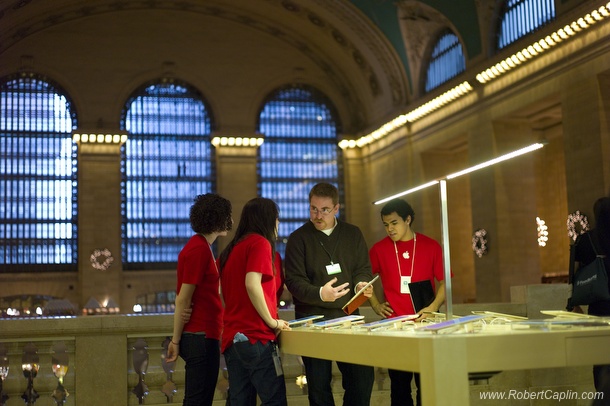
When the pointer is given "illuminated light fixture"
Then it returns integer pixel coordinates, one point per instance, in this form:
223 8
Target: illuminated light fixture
410 117
543 232
406 192
494 161
237 141
538 47
99 138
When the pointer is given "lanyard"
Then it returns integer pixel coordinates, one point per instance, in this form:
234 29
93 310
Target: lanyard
412 259
330 254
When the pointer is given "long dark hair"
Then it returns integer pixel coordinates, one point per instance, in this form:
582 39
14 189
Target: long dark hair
258 216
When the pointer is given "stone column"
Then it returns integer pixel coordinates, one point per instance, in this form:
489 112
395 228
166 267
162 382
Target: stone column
99 219
485 213
585 133
236 179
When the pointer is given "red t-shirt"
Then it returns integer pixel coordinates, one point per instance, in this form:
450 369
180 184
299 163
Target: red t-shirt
428 265
196 266
252 254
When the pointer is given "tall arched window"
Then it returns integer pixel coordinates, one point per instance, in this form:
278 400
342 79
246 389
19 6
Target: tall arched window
446 62
38 194
521 17
166 163
300 150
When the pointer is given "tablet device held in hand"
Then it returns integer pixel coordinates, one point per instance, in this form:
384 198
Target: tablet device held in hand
422 294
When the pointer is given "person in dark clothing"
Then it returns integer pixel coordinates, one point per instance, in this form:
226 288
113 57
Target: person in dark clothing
326 262
584 254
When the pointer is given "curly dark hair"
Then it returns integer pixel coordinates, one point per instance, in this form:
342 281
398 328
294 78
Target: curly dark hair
210 213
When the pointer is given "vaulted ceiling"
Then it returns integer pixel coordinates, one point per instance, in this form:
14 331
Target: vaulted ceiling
364 54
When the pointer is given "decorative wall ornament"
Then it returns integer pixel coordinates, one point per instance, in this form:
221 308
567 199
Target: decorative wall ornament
543 232
577 224
479 242
101 259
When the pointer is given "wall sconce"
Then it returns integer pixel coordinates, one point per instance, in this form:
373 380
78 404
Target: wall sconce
99 138
237 141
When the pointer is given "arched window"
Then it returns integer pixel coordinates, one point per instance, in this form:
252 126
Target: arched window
446 62
300 150
38 194
521 17
166 163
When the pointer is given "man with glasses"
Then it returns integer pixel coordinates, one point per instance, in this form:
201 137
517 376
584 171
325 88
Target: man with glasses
326 263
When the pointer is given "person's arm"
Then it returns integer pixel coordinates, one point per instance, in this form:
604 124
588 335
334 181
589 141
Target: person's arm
257 297
183 301
382 309
361 272
297 280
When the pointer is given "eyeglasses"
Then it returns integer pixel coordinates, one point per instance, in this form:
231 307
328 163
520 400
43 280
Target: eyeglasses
324 211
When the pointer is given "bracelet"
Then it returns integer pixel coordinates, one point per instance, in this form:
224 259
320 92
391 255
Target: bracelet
172 341
277 324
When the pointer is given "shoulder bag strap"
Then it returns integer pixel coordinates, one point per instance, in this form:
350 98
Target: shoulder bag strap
570 306
593 245
572 255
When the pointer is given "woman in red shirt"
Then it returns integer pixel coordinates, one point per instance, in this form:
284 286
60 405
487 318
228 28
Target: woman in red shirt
197 341
251 324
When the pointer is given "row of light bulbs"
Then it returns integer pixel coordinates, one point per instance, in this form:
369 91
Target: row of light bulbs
100 138
122 138
485 76
237 141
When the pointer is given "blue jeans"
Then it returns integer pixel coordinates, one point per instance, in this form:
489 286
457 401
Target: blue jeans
202 362
251 372
357 382
400 388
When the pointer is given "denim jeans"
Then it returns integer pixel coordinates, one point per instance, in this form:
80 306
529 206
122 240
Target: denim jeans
251 372
357 382
202 363
400 388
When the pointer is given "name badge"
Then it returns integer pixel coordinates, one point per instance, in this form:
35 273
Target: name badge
333 269
404 284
